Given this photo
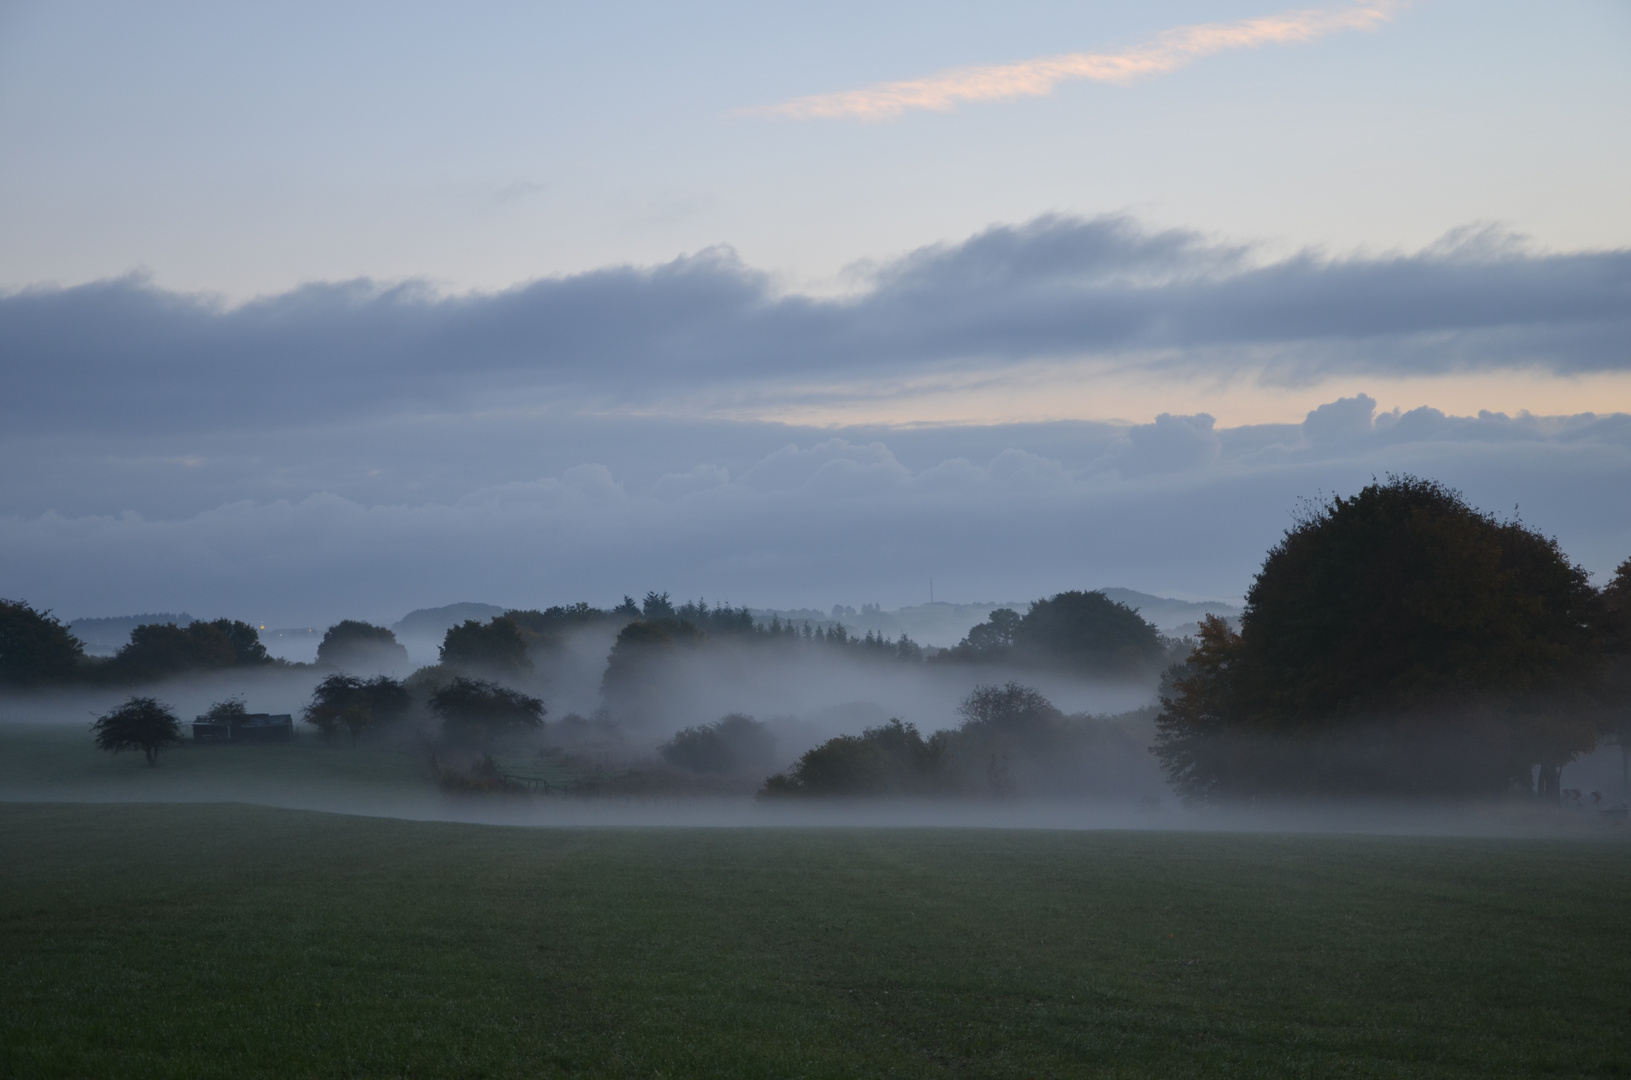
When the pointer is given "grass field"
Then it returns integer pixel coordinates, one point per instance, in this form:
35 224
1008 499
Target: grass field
177 941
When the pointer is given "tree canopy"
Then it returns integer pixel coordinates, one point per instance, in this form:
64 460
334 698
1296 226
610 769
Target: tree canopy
891 759
1085 633
355 706
496 647
735 744
1395 641
158 650
141 723
475 712
351 643
36 649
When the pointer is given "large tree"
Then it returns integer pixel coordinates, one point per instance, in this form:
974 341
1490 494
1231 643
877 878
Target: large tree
141 723
158 650
36 649
495 648
1090 634
355 706
1398 641
475 712
352 643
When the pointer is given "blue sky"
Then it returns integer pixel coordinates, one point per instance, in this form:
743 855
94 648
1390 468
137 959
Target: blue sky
532 300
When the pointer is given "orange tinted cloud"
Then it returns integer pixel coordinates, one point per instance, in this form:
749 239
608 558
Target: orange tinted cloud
1173 49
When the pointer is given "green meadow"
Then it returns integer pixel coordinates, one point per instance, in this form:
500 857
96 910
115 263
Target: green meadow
198 940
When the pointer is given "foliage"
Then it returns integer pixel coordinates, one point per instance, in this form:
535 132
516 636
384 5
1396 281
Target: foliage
657 606
160 650
474 712
1085 633
355 706
891 759
36 649
141 723
992 639
230 709
549 628
639 662
350 642
1616 701
735 744
497 647
1398 641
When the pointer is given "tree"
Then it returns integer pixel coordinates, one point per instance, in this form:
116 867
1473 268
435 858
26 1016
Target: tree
1010 710
36 649
345 702
141 723
1395 642
891 759
474 712
230 709
496 648
1089 634
641 662
350 643
657 606
990 641
158 650
1617 684
736 744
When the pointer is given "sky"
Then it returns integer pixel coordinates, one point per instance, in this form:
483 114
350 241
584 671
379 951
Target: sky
320 311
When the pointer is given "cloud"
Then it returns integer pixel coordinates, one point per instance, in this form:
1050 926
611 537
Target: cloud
1177 506
1169 51
707 334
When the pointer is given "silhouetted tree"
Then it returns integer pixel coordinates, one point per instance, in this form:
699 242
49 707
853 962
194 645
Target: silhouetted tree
474 712
345 702
141 723
158 650
639 663
736 744
992 639
549 628
1617 684
1089 634
497 647
1010 710
230 709
657 606
1398 641
350 643
892 759
36 649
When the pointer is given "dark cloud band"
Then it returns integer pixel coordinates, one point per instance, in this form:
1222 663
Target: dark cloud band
127 355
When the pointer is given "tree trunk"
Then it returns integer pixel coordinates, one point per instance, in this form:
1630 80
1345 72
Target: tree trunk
1549 784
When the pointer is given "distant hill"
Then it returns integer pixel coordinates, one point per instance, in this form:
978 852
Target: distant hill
434 622
1172 616
104 637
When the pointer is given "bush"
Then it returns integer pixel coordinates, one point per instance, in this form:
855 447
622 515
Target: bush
891 759
736 744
